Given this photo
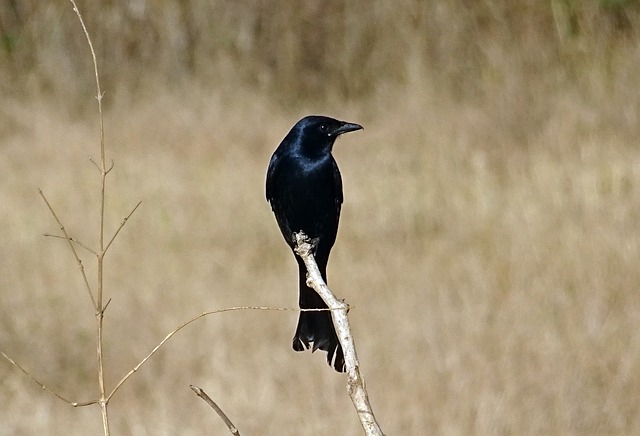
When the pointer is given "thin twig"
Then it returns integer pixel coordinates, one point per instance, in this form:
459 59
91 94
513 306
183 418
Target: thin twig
110 167
180 327
124 221
100 94
73 249
95 164
44 387
75 241
202 394
106 305
339 309
155 349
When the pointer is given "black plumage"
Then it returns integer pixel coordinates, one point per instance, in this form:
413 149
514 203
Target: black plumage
304 188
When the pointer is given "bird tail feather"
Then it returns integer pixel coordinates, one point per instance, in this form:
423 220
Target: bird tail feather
315 328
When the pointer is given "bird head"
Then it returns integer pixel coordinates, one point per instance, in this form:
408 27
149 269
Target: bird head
317 134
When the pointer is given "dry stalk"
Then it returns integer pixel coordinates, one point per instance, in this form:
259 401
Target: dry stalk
97 300
73 249
100 308
147 357
355 382
180 327
207 399
43 386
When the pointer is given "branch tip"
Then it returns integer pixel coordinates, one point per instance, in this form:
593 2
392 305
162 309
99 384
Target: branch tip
303 244
207 399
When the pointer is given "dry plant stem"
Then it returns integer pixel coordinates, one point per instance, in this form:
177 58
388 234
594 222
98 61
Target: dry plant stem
98 312
75 241
202 394
355 384
42 385
124 221
180 327
73 249
155 349
101 250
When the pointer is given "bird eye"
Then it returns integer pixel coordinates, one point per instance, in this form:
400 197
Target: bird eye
324 128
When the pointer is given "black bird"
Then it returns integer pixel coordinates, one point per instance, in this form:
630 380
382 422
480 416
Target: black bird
304 188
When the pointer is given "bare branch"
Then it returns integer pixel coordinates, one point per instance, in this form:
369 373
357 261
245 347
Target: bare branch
106 305
44 387
355 384
202 394
124 221
99 94
75 241
73 249
183 325
100 256
108 170
95 164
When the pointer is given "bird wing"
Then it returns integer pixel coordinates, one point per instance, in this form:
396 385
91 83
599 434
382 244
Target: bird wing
272 176
337 184
274 193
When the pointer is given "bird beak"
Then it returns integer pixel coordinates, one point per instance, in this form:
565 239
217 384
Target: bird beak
345 128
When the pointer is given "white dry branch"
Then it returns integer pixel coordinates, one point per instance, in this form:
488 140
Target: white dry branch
339 309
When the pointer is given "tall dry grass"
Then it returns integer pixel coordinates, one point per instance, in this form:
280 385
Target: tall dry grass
355 46
489 239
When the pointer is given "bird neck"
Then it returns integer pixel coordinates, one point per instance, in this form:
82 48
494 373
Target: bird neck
315 151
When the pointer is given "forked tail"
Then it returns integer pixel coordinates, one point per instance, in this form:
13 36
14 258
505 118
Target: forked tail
316 327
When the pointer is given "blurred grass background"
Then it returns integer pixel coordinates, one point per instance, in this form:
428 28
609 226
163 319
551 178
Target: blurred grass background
489 241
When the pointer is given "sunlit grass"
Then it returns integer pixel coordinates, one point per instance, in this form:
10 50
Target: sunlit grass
489 244
492 292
